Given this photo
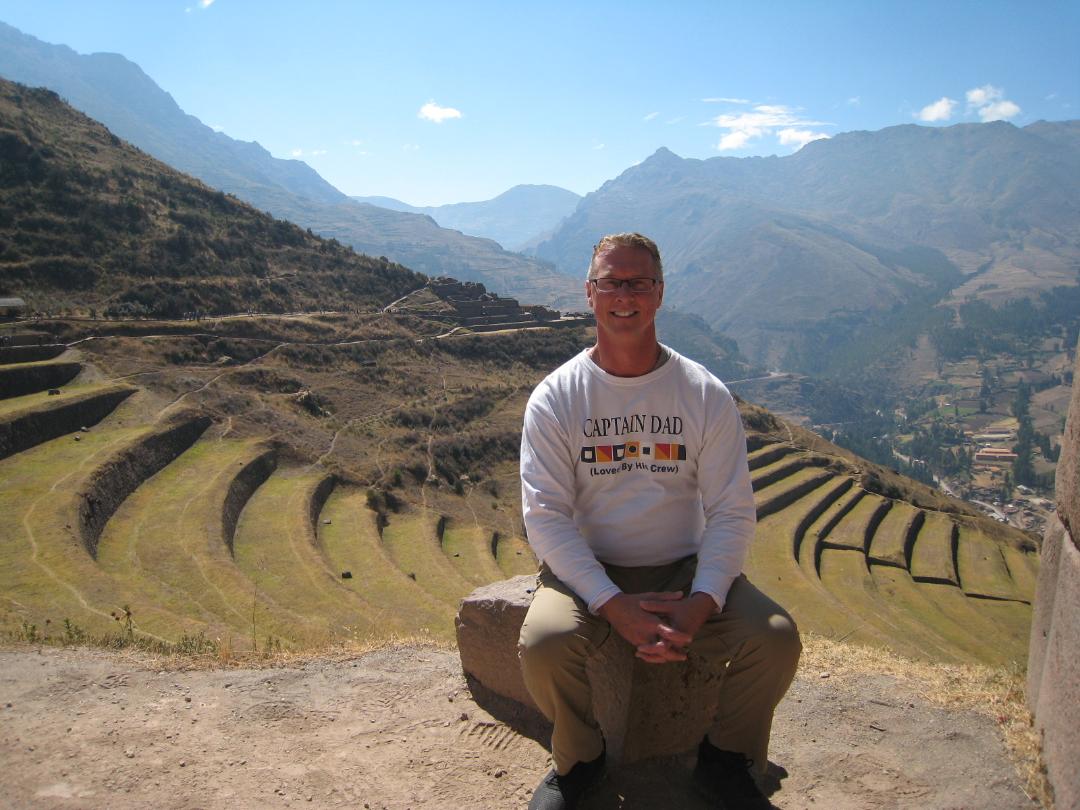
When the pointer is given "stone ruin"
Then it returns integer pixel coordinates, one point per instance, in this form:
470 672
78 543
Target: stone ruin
474 307
637 725
1053 685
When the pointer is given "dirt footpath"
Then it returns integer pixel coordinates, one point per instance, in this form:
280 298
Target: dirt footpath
398 729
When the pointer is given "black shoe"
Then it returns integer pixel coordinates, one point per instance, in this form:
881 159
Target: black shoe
563 792
725 776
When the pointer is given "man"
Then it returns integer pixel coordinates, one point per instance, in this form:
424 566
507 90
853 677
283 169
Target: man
637 501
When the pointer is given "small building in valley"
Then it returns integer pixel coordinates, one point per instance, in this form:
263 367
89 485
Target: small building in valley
995 455
11 308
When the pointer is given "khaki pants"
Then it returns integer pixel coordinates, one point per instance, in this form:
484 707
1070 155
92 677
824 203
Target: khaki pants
753 635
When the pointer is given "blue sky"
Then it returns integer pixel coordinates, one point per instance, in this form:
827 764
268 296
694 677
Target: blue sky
444 102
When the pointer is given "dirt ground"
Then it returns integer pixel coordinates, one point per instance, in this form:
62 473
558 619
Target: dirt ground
398 728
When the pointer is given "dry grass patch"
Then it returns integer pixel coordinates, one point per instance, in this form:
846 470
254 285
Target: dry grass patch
996 692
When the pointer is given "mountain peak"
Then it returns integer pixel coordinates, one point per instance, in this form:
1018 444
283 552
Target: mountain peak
663 154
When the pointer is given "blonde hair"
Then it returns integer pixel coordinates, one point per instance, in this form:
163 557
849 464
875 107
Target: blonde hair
635 240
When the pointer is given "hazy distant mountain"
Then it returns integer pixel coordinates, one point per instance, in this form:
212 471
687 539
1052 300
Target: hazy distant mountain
391 204
118 93
766 248
512 219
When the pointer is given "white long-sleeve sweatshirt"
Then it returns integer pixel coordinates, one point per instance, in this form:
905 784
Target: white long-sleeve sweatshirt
635 471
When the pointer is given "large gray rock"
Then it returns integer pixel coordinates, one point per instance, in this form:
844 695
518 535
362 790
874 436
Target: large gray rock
1053 672
644 710
488 625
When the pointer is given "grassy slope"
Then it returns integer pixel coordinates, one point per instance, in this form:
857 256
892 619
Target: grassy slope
424 438
275 548
168 539
46 573
352 543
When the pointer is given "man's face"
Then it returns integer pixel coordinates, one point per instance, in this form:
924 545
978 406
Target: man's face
622 312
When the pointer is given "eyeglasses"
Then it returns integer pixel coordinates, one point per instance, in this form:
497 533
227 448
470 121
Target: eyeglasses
638 286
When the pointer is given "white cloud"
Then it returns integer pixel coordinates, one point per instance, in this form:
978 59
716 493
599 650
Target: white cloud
999 111
984 95
317 152
940 110
725 100
991 104
436 114
410 147
216 127
599 146
799 137
297 153
206 3
650 116
734 140
855 101
761 120
356 142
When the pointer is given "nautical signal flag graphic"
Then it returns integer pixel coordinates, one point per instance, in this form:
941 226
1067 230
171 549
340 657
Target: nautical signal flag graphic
669 452
608 453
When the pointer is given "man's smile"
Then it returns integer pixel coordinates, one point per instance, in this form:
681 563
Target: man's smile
627 313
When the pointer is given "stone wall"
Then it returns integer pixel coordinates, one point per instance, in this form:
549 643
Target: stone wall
1054 660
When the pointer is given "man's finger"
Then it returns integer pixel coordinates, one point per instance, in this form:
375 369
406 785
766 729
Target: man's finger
674 637
663 596
658 606
663 650
660 658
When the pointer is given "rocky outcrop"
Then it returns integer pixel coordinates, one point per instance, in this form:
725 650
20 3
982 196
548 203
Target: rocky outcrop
644 710
1053 673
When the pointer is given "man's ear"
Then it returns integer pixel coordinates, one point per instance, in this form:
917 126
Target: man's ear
589 290
660 298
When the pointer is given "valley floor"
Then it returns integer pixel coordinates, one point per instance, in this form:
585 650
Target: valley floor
397 728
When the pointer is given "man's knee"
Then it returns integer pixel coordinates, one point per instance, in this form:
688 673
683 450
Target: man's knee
547 647
781 639
556 628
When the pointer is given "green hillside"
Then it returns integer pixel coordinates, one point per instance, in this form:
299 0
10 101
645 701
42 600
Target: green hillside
336 487
90 224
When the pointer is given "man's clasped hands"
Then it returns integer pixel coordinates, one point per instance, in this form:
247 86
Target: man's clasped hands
660 624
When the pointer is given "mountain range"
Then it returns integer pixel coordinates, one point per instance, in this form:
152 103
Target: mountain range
514 219
768 249
115 91
784 254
